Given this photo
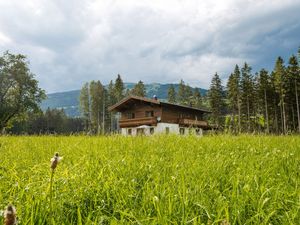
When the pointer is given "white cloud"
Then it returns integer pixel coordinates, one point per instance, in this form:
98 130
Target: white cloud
69 43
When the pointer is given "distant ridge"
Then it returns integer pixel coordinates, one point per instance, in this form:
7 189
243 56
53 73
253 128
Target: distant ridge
69 100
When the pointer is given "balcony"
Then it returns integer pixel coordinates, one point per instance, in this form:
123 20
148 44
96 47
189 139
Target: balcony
189 122
150 121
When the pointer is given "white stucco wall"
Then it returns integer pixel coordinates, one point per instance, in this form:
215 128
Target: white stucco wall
161 129
124 131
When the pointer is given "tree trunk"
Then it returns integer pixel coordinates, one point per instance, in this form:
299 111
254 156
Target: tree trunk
103 121
297 104
232 125
293 117
266 112
276 117
248 114
284 116
2 129
281 116
239 116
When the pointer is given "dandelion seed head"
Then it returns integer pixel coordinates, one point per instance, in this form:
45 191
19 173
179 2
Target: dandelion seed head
54 161
10 215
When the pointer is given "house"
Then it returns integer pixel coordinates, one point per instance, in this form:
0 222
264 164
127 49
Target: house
139 115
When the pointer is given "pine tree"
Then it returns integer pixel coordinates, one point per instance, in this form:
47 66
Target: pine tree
139 89
257 111
294 79
247 89
197 98
234 97
111 93
97 102
264 86
274 105
216 100
119 88
231 96
188 96
279 81
111 100
181 96
171 94
84 105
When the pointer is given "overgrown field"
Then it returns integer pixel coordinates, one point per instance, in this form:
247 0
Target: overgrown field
153 180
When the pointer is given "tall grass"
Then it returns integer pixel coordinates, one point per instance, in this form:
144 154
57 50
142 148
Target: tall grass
153 180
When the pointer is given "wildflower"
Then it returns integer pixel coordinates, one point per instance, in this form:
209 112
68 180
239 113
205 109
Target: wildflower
10 215
54 161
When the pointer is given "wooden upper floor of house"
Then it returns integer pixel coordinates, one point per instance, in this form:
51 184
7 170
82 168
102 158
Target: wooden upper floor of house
137 111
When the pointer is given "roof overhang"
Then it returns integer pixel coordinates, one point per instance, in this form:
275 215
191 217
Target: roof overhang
126 102
129 100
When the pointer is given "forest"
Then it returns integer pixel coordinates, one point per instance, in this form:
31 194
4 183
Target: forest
249 102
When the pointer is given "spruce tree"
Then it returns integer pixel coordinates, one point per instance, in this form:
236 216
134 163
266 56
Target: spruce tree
279 81
264 86
197 98
171 94
188 96
247 89
97 102
231 96
294 79
111 100
84 105
216 100
139 89
181 96
274 105
119 88
234 97
111 93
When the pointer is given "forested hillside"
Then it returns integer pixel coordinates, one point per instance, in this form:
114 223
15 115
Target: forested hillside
69 100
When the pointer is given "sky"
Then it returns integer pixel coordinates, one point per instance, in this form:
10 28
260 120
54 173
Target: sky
72 42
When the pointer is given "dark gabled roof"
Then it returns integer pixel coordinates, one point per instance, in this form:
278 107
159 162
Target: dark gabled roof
185 107
119 105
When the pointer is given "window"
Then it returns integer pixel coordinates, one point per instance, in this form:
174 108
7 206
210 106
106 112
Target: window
181 130
167 130
151 130
149 113
129 131
140 131
130 115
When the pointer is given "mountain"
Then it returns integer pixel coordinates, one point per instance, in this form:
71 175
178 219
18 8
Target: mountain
69 100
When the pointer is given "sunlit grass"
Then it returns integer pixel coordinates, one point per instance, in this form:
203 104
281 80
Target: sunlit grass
153 180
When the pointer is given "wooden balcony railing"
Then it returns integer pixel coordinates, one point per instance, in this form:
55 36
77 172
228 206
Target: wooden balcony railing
189 122
150 121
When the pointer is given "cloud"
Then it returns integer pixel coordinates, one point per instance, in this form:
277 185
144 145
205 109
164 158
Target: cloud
154 41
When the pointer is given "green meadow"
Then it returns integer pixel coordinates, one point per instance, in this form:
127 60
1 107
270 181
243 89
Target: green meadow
152 180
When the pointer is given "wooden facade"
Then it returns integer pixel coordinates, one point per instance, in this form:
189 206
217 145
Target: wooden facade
138 111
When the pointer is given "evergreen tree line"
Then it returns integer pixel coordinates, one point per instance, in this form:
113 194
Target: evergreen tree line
261 102
94 102
185 95
52 121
